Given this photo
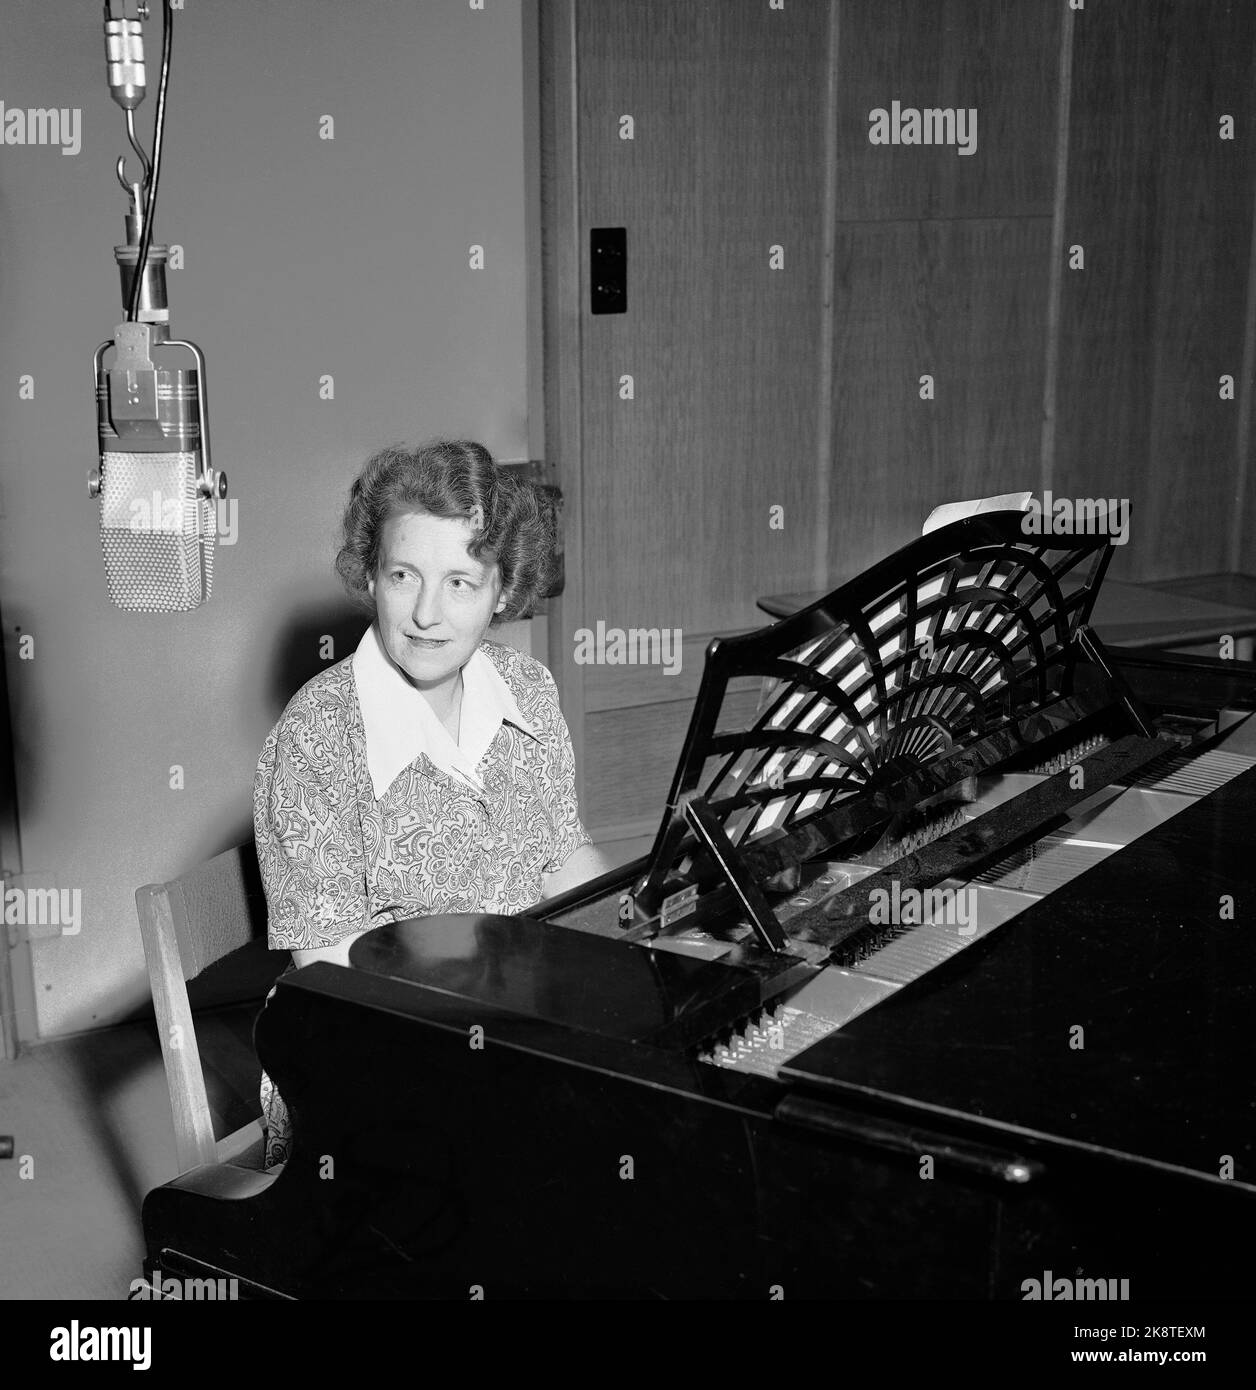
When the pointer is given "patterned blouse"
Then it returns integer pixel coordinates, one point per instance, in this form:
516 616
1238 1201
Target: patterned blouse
336 857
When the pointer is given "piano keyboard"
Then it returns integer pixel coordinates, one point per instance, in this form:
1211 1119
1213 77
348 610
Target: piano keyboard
1048 864
1192 776
913 951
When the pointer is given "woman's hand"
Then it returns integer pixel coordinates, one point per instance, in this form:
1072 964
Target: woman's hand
337 954
581 865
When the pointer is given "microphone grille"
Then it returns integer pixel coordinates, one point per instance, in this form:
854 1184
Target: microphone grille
157 533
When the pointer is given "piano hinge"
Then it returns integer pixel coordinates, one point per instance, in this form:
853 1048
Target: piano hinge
1088 640
711 835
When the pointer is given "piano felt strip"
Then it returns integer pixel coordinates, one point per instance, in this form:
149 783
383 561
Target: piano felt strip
841 919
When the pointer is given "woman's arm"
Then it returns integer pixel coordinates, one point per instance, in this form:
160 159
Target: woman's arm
580 866
308 834
585 861
337 954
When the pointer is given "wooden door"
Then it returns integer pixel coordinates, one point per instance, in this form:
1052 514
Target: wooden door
699 127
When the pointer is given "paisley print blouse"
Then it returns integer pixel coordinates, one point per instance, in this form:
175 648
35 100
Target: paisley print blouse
335 858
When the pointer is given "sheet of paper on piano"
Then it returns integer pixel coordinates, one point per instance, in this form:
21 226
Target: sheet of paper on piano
956 511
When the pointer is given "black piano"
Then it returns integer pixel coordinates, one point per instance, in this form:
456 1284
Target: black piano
938 981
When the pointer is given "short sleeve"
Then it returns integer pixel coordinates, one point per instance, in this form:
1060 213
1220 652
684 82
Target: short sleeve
307 830
569 831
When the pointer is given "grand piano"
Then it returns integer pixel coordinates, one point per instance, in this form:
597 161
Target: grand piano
938 981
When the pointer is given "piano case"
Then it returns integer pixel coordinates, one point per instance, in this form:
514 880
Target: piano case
636 1093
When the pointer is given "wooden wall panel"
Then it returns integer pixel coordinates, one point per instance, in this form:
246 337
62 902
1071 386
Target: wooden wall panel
941 266
727 161
801 387
562 317
997 57
1242 557
1163 208
636 752
613 687
1103 422
1201 274
964 301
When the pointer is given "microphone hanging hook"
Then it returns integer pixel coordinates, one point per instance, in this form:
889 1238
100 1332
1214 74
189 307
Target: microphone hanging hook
139 150
134 188
124 51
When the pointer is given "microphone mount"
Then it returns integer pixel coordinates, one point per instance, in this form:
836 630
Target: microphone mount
140 406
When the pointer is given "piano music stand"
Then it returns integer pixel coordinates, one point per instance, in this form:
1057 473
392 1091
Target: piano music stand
942 661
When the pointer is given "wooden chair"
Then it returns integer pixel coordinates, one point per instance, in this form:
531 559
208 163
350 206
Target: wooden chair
207 929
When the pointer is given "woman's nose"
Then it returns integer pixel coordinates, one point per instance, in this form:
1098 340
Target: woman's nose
427 607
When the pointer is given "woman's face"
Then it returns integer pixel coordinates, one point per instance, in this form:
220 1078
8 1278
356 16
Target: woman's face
434 600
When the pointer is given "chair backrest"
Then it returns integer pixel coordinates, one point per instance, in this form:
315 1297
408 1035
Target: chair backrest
191 926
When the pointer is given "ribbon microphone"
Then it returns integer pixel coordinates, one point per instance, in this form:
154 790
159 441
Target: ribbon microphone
157 489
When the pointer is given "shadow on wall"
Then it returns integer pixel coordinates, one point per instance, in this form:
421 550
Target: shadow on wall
314 639
24 723
8 774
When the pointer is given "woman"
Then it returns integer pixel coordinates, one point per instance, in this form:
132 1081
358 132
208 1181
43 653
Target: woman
432 770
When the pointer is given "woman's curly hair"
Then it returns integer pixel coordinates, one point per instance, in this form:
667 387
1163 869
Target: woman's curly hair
515 520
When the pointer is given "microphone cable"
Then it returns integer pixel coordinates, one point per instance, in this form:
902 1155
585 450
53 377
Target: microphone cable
159 130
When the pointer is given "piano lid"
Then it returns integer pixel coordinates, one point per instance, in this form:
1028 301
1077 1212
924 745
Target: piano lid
537 970
1139 955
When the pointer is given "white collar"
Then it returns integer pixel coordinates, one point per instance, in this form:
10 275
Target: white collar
400 724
